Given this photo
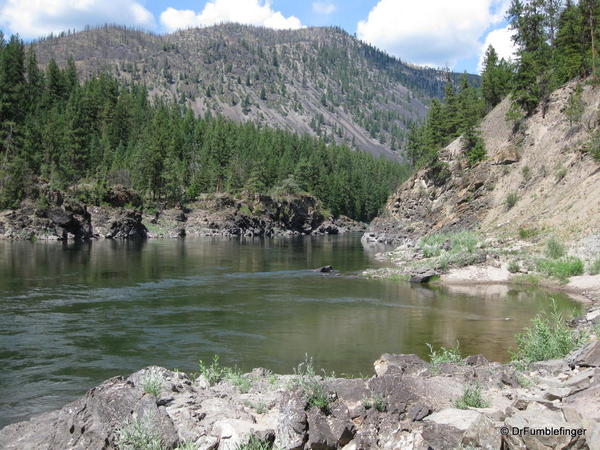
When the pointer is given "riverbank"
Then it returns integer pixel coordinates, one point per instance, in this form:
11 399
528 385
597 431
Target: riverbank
407 404
123 217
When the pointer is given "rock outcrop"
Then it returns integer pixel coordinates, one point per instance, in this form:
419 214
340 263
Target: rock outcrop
409 404
553 181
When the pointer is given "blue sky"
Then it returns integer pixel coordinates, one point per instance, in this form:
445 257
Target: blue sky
438 33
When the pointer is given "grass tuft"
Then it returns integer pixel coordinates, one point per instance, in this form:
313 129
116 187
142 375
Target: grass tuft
514 267
140 433
471 398
312 386
511 200
152 382
595 267
528 233
254 443
375 402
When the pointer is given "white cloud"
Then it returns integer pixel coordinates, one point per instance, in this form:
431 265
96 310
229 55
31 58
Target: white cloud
323 8
33 18
501 40
251 12
431 32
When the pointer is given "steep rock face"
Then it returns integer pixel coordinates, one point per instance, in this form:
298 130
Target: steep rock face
555 185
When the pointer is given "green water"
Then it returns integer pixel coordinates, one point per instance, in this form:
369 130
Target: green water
74 315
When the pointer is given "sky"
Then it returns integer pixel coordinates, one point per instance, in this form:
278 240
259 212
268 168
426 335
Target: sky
438 33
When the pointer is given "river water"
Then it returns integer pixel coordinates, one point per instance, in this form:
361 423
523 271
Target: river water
72 315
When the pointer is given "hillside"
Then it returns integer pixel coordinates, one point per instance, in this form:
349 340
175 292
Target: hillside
319 81
537 180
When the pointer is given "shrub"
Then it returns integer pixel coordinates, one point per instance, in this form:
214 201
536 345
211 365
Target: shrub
140 433
471 398
514 267
443 355
213 372
152 382
595 267
548 337
554 249
561 172
311 385
526 173
511 200
561 268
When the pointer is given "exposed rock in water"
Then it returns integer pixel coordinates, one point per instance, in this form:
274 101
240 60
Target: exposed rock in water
405 406
422 276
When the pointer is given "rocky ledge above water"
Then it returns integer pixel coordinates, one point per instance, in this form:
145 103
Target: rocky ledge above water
122 217
408 404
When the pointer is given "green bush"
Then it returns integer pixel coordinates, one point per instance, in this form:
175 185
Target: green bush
561 173
562 268
595 267
443 355
311 386
140 433
514 267
554 249
511 200
471 398
548 337
526 172
213 372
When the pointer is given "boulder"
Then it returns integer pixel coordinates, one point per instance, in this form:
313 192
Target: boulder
539 417
291 429
92 422
422 276
453 428
588 356
402 363
325 269
127 225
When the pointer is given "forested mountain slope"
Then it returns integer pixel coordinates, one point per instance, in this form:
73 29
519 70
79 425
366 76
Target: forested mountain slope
319 81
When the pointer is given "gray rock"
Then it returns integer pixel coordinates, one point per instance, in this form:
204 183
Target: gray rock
537 416
422 276
291 429
476 360
551 367
452 428
399 364
588 356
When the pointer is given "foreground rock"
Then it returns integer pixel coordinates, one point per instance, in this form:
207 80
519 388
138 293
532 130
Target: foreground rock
409 404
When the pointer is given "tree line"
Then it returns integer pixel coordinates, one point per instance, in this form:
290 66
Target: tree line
93 134
556 41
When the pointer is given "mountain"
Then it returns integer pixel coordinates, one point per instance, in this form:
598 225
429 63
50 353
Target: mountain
319 81
540 178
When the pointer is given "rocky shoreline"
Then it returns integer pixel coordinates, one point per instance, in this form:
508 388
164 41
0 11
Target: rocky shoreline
407 404
122 217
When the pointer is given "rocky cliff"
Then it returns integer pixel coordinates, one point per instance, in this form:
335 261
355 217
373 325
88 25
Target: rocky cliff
122 217
537 175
